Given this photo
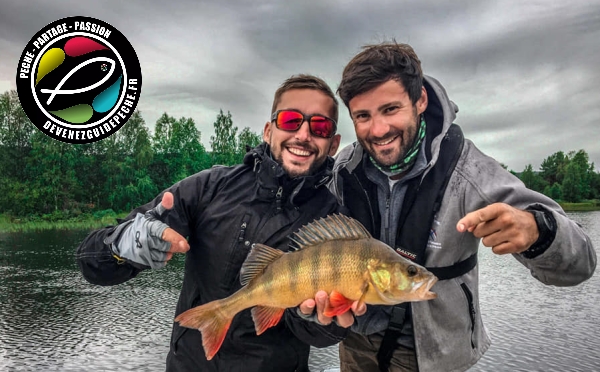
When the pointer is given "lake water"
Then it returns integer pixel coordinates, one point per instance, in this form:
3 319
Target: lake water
51 319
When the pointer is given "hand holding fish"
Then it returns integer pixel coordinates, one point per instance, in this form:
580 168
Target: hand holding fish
147 242
322 302
335 255
504 228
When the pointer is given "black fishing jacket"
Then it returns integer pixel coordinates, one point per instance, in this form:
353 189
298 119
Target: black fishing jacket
223 211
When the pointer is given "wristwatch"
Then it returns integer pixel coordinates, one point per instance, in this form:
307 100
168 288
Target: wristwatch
546 225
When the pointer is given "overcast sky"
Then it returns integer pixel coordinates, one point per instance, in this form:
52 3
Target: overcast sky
525 74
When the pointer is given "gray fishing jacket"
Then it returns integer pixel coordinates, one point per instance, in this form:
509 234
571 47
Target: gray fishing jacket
449 333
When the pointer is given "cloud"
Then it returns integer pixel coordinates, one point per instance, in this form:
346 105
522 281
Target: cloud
524 74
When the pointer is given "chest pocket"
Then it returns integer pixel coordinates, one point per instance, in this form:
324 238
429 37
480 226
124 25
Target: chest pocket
240 247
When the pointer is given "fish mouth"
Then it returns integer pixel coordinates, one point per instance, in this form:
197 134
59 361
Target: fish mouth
423 289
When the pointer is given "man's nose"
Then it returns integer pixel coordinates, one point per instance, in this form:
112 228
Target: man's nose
303 133
379 126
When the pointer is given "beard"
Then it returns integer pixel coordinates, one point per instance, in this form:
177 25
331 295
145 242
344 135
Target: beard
294 172
392 156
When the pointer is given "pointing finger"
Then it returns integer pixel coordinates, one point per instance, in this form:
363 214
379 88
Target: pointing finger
178 242
470 221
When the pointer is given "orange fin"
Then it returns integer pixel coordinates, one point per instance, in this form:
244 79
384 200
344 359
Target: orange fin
209 320
338 304
265 317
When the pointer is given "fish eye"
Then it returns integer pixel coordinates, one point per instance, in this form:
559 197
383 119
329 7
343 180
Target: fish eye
412 270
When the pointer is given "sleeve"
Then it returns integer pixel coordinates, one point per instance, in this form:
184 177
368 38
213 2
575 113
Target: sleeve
95 258
97 263
569 259
376 319
313 333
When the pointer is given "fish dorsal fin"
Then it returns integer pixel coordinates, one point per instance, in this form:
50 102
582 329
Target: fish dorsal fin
260 256
335 226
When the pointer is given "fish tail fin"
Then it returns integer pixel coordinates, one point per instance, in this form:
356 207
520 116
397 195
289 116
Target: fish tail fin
212 321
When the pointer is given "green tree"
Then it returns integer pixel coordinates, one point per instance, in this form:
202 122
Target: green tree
532 180
246 139
552 168
572 182
89 160
586 170
160 167
595 183
554 191
128 155
52 163
223 143
15 136
179 151
192 154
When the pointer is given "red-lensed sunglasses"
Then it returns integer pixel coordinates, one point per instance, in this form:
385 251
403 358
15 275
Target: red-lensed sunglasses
291 120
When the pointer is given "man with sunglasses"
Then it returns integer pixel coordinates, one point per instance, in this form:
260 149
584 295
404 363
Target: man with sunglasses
418 185
223 211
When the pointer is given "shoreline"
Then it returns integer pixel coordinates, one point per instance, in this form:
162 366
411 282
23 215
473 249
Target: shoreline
12 224
580 207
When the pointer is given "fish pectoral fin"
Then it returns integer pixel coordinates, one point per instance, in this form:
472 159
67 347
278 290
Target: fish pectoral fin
260 256
265 317
338 304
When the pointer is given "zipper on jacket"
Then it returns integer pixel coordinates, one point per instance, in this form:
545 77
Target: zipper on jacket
386 222
471 311
278 196
242 233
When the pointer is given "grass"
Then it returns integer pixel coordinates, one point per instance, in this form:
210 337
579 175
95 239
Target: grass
587 206
59 221
37 223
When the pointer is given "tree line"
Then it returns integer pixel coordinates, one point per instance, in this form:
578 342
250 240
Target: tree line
564 177
42 177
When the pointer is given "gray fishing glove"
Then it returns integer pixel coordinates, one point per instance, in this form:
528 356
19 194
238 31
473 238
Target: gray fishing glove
139 242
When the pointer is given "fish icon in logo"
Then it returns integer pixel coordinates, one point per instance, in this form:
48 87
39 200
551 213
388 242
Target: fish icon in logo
79 50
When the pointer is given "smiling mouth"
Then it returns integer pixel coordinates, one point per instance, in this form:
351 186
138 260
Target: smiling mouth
299 152
386 142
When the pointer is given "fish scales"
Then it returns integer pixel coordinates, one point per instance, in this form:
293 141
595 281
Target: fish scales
335 254
340 268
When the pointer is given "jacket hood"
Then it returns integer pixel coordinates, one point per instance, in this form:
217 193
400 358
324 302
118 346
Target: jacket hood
439 115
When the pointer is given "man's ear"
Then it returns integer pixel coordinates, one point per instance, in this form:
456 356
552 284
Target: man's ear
267 132
335 143
422 102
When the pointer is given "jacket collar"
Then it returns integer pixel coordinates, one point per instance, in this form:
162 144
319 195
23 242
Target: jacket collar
270 175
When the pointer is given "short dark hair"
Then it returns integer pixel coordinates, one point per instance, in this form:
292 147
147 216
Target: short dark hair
305 81
379 63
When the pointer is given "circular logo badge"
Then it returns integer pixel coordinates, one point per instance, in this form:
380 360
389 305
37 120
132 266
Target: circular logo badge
79 80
